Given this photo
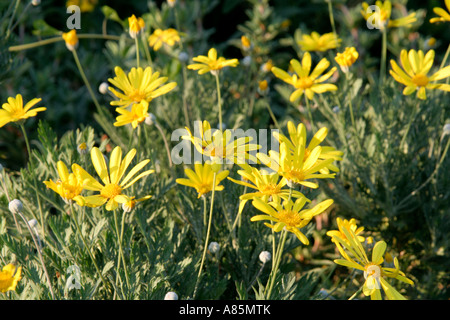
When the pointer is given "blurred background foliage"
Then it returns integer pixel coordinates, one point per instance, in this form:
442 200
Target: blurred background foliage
400 195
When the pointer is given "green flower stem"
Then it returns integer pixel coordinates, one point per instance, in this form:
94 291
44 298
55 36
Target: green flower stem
330 12
38 249
20 17
276 265
147 51
5 190
308 107
274 119
120 240
447 53
356 293
383 56
9 29
208 231
33 174
166 144
136 42
414 113
74 218
59 38
86 82
205 213
219 100
185 107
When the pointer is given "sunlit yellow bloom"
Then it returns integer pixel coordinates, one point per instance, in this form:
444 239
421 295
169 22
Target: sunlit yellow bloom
137 115
263 87
380 17
110 192
348 225
69 185
85 5
220 145
347 58
297 136
245 42
416 66
202 179
267 66
295 167
289 214
136 25
211 63
317 42
303 81
444 16
71 39
140 84
14 111
355 257
163 37
267 187
9 277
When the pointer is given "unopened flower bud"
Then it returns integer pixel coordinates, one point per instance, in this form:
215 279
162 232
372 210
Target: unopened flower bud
171 296
150 119
33 223
265 256
103 88
36 2
446 129
183 56
15 206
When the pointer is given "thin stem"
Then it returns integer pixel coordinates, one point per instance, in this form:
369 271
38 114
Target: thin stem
20 17
59 38
205 213
120 239
219 102
86 82
33 174
383 56
445 57
414 113
205 244
147 51
9 29
185 107
166 144
5 190
308 107
330 12
136 42
38 248
356 293
74 218
279 254
274 119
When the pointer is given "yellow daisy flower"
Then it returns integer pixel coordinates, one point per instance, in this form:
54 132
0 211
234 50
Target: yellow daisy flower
132 202
416 66
163 37
14 111
202 178
136 25
297 136
294 167
219 146
268 187
317 42
85 5
9 277
348 225
347 58
110 192
71 39
246 43
304 81
140 84
444 16
137 115
289 214
211 63
69 185
381 18
355 257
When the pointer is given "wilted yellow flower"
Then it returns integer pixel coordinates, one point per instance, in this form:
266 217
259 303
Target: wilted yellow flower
444 16
267 66
163 37
71 39
85 5
380 18
9 277
304 81
14 111
297 136
136 25
219 145
295 167
317 42
289 214
346 58
211 63
140 84
416 66
355 257
203 178
137 115
110 192
268 187
69 185
245 42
